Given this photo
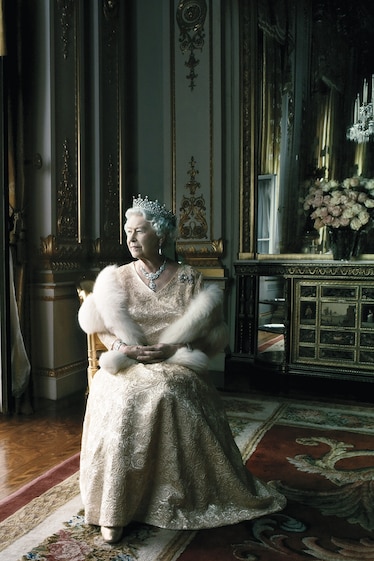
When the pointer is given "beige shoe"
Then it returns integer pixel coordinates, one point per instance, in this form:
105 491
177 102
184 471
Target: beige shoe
111 534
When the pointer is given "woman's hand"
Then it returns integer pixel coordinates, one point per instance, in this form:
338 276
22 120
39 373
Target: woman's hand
150 353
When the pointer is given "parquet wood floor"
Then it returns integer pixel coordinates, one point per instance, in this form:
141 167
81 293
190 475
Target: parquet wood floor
32 444
265 336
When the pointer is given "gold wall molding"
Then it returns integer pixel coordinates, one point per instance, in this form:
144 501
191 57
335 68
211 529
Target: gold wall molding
59 255
248 18
111 203
72 246
63 297
110 35
194 28
67 198
68 124
111 74
62 371
205 256
106 252
66 10
214 247
306 270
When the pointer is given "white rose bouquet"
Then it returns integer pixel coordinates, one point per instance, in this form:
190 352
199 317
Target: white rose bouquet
341 205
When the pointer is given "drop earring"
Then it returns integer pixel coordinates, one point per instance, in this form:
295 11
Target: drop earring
160 250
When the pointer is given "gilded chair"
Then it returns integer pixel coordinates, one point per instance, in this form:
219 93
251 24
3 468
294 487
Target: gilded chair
94 346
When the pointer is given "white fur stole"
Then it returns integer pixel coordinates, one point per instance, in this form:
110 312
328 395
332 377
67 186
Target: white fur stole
105 310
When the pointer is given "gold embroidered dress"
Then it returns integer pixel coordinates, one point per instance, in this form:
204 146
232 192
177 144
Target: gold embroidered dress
156 444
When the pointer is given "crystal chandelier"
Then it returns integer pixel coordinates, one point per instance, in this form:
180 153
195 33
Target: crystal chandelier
363 116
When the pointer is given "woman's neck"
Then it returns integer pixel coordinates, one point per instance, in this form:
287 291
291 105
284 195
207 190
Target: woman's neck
152 265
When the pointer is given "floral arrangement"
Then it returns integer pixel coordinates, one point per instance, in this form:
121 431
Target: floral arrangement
341 205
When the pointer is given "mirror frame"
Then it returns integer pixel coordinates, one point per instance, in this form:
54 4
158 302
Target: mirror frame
250 123
249 104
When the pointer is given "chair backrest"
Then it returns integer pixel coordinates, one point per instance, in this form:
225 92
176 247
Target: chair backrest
94 346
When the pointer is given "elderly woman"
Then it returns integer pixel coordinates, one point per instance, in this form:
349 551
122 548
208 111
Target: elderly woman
156 444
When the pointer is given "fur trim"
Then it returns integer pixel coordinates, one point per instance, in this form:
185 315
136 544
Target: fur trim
202 321
89 317
110 299
114 361
195 360
194 321
217 340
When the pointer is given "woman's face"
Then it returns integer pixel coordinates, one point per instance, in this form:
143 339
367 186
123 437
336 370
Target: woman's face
141 238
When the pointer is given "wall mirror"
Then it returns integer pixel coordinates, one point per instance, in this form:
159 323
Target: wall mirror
304 62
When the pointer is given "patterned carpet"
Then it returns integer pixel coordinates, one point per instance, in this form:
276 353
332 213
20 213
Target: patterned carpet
321 456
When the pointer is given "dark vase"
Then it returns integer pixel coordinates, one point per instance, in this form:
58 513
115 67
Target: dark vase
343 243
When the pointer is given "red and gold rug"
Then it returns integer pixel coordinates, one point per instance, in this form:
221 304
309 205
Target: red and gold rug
322 459
320 456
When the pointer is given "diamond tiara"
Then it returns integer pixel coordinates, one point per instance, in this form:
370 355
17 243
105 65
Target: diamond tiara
154 207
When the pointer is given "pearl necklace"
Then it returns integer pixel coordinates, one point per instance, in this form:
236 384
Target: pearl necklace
153 276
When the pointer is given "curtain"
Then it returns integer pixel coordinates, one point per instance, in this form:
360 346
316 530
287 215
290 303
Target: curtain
2 31
274 44
3 360
268 226
271 106
324 131
10 46
19 359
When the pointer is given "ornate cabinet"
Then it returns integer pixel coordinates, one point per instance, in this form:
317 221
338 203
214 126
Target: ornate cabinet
333 324
313 318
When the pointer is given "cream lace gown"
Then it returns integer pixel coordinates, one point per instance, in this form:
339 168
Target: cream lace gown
156 444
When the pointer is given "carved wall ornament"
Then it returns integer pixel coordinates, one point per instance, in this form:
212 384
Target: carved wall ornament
111 204
67 199
192 220
193 185
248 105
305 270
66 8
111 40
58 255
110 8
212 248
190 18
